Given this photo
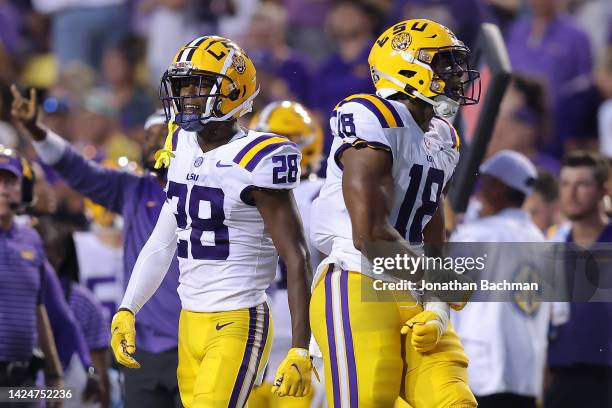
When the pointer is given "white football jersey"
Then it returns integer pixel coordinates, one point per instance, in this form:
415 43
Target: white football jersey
423 162
227 258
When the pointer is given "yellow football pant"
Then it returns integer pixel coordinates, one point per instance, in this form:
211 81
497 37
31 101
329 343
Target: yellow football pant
222 355
261 397
368 363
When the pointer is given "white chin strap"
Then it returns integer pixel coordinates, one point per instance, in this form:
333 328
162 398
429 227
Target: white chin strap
442 104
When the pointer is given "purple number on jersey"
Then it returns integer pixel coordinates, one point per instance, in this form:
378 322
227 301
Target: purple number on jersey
428 207
286 170
215 223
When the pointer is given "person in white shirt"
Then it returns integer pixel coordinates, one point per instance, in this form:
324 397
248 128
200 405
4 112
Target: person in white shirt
505 341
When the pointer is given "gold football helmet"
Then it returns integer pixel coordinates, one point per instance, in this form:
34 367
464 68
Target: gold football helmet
423 59
222 73
294 121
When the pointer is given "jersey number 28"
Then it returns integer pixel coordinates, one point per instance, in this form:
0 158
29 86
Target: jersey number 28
211 198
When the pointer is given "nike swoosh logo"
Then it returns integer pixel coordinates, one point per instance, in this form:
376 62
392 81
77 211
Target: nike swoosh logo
220 326
222 165
296 367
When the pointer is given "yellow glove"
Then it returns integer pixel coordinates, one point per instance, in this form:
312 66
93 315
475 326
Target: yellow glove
123 340
428 326
293 377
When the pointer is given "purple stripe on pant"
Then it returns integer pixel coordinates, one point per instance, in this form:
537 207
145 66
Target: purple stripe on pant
331 337
262 346
348 338
246 358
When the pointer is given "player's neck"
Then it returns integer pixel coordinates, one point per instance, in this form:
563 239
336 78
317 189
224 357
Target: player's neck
422 113
216 134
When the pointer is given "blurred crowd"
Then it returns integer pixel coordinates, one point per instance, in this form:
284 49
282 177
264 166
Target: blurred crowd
100 61
96 66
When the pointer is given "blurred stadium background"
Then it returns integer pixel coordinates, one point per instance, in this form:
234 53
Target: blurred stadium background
96 65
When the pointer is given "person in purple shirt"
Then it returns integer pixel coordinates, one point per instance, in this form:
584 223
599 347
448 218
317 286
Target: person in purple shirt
550 45
285 75
580 353
523 123
345 72
138 198
24 323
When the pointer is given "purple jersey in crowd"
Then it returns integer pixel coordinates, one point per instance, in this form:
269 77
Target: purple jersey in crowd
22 263
27 281
587 337
139 200
90 314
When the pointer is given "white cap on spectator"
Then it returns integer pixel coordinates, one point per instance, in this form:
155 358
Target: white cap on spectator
511 168
157 118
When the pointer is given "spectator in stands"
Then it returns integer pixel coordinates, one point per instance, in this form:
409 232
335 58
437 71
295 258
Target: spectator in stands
463 17
93 321
23 316
132 103
171 24
82 29
284 74
67 322
501 12
138 198
523 123
542 44
505 341
543 203
306 34
580 354
99 254
345 72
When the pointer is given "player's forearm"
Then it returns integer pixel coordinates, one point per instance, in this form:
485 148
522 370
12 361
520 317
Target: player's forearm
299 300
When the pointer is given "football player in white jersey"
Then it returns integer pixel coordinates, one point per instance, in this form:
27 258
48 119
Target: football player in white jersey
294 121
229 204
391 159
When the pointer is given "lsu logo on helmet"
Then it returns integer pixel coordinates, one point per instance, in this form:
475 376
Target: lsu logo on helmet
423 59
294 121
223 74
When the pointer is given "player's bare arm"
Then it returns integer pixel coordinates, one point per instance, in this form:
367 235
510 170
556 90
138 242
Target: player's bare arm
368 192
280 214
281 217
367 185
